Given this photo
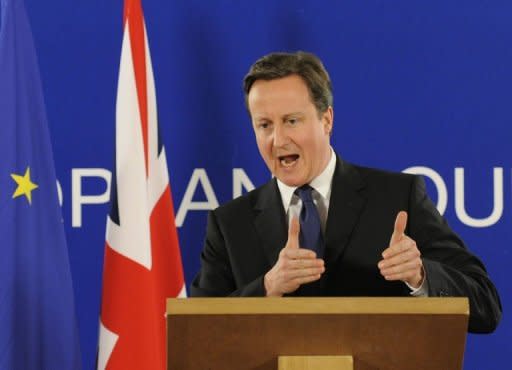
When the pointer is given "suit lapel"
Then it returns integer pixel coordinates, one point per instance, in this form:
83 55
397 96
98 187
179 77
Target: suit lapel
345 206
270 221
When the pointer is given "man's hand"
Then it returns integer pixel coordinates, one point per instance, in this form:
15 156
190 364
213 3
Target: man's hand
295 266
402 259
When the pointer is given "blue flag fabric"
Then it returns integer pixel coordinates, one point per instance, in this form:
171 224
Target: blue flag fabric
37 314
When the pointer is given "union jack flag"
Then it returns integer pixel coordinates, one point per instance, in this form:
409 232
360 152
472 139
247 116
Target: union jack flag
142 257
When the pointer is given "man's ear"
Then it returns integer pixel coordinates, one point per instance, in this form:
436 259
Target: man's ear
328 120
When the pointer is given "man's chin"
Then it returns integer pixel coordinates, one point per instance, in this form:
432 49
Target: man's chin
292 181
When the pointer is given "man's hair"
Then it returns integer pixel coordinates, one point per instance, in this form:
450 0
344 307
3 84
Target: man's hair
305 65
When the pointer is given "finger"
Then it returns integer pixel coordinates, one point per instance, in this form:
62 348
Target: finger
405 244
414 265
402 276
408 253
306 279
399 230
304 263
293 233
292 275
298 253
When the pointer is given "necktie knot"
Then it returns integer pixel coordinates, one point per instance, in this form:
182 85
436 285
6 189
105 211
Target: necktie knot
305 193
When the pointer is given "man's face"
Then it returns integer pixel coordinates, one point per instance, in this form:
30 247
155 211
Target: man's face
292 139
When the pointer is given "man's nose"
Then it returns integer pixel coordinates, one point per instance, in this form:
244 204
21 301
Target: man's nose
280 136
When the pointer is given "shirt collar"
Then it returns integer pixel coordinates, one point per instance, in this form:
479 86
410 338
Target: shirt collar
322 184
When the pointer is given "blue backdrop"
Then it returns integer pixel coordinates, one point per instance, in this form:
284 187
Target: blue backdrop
416 84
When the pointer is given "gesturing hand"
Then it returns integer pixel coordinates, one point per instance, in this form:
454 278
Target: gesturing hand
402 259
294 267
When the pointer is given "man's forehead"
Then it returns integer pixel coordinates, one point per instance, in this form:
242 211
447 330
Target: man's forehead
291 94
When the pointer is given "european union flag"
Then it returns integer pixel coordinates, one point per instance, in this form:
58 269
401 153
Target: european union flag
37 315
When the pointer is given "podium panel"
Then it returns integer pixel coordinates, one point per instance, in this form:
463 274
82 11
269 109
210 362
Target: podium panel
379 333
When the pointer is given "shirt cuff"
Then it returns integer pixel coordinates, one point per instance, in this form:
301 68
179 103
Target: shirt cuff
422 290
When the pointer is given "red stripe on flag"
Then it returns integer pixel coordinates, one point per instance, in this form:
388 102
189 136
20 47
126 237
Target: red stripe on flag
165 246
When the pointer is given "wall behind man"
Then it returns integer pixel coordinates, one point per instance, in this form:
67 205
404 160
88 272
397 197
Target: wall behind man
416 84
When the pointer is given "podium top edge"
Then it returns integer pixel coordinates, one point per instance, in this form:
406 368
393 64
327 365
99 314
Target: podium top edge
326 306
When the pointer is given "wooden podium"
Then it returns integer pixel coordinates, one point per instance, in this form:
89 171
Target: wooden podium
316 333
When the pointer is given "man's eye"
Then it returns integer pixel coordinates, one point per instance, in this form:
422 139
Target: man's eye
264 125
292 121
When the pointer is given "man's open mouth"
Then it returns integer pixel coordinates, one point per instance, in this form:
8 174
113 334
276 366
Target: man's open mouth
288 160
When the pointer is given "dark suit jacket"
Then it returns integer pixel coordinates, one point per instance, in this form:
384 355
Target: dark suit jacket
244 238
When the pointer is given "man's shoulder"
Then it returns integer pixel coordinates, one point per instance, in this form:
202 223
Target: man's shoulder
248 201
375 176
383 190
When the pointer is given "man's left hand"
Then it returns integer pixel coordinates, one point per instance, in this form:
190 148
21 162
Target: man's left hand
402 259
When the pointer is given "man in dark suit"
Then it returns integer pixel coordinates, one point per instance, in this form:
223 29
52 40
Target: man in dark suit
352 231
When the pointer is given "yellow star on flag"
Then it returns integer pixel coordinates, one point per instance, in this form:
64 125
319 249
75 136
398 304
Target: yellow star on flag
25 185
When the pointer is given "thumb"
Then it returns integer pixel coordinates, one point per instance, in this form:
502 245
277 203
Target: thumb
293 233
399 231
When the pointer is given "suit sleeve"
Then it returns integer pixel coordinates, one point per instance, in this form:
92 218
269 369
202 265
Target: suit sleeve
215 278
451 270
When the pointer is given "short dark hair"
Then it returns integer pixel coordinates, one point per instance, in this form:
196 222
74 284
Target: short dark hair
306 65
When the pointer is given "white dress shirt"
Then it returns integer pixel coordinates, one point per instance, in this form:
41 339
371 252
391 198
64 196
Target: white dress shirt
321 194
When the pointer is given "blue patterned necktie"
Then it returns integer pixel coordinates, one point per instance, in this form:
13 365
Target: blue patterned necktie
310 235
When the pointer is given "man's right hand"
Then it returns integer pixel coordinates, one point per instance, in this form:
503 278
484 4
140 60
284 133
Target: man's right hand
295 266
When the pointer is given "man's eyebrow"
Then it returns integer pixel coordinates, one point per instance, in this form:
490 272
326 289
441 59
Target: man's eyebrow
261 118
293 114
